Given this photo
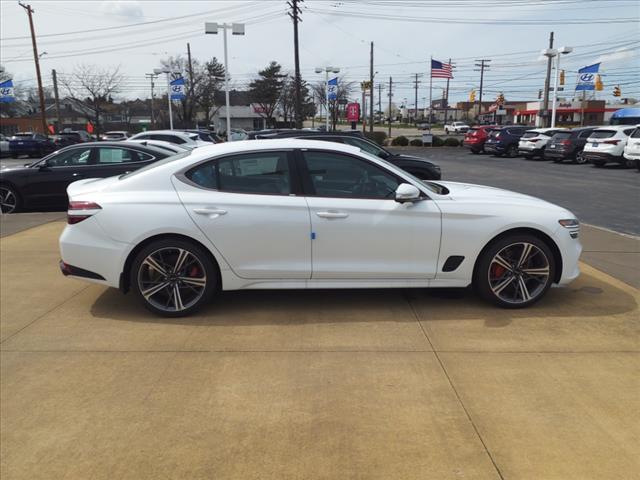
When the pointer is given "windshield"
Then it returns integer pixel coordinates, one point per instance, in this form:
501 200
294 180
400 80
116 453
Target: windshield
603 134
164 161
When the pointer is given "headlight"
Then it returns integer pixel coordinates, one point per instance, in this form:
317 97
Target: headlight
569 223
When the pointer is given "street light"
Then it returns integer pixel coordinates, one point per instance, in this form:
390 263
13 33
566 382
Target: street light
168 71
236 29
326 71
552 52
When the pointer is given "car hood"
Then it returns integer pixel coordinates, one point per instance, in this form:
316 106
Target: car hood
14 170
467 192
412 158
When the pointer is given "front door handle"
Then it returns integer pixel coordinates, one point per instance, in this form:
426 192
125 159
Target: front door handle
211 212
76 174
332 214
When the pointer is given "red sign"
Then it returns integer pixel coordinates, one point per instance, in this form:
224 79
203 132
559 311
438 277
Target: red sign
89 127
353 112
52 130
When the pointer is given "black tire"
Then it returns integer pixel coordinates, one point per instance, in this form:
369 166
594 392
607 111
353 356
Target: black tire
630 163
557 160
487 278
598 163
578 158
475 152
527 157
201 277
10 196
512 151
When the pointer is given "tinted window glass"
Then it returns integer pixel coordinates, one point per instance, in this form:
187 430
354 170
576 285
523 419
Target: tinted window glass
169 138
111 155
585 134
530 134
77 156
516 132
636 133
628 131
562 136
335 175
362 145
602 133
264 172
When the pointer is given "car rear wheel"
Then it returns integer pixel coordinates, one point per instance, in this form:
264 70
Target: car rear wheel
173 277
9 199
579 158
515 271
512 151
599 163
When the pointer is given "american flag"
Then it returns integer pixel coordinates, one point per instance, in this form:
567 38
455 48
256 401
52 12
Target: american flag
441 70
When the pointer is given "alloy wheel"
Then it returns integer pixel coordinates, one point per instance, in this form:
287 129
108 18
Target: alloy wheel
8 200
580 158
519 273
172 279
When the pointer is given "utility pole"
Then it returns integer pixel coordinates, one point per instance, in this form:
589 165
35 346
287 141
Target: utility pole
371 89
415 85
152 77
295 16
57 99
390 95
544 113
483 65
189 104
446 98
380 98
43 114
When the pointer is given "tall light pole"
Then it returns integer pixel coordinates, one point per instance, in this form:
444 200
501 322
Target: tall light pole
236 29
326 71
552 52
168 73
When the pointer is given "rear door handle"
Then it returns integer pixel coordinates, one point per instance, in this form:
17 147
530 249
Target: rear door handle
212 212
332 214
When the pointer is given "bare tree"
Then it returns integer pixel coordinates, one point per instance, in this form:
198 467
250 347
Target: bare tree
342 93
94 87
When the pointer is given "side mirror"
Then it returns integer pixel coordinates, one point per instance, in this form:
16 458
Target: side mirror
407 193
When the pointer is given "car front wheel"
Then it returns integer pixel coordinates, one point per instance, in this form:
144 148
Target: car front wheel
512 151
173 277
579 159
515 271
9 199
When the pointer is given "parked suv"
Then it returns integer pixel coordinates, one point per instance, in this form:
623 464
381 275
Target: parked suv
456 127
568 145
116 136
606 144
504 140
632 149
476 136
71 137
533 142
30 143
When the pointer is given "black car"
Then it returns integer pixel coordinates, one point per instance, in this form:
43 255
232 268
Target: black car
417 166
504 140
568 145
43 184
64 139
32 144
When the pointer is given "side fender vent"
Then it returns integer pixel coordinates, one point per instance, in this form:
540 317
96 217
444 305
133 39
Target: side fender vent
452 263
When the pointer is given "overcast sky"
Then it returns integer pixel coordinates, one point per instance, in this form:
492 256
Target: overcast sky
405 34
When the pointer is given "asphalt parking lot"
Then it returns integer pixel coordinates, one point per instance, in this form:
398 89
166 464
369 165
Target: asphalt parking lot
314 384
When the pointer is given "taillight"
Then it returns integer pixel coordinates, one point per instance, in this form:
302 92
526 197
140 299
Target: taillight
79 211
566 142
611 142
534 139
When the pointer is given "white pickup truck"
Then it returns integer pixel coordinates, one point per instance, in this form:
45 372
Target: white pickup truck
456 127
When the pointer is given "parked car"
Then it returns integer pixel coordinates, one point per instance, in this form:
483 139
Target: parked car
172 148
205 135
606 144
456 127
533 142
115 136
4 146
417 166
568 145
476 136
43 183
423 124
31 144
238 134
180 232
171 136
504 141
632 149
71 137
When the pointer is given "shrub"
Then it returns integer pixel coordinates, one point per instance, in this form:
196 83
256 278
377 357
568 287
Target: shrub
437 142
416 142
452 142
378 137
400 141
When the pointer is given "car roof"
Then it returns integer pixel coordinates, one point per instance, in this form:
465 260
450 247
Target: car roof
168 132
132 145
615 127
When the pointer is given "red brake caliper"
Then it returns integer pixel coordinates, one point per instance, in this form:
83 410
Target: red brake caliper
497 270
194 272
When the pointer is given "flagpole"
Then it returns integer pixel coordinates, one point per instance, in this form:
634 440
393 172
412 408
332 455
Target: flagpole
169 100
430 89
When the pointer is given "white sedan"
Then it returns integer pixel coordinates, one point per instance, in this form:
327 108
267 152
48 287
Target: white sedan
297 213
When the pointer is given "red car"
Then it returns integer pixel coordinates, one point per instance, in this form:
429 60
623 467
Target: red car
476 136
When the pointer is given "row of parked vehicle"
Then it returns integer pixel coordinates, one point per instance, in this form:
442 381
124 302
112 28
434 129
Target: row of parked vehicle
597 145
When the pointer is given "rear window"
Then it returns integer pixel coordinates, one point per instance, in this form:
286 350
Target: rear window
472 131
530 134
603 134
562 136
23 135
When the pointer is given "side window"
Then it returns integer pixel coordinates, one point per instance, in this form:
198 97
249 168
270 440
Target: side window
264 172
362 145
585 134
111 155
77 156
169 138
628 131
342 176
